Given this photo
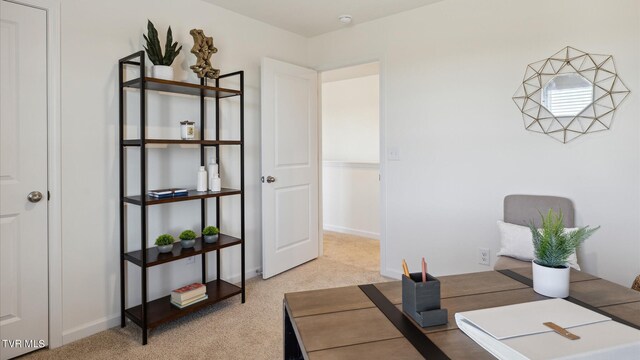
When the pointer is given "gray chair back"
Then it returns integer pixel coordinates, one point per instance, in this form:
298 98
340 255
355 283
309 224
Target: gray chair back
522 209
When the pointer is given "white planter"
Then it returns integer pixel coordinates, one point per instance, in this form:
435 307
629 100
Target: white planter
551 282
162 72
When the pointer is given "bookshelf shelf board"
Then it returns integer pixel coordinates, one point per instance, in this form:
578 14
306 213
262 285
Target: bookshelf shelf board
138 142
191 195
155 258
179 87
160 310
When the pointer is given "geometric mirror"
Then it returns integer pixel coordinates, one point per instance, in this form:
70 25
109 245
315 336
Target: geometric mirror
572 93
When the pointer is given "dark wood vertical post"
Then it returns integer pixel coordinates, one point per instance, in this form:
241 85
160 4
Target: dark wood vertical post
121 188
203 202
217 150
143 197
242 235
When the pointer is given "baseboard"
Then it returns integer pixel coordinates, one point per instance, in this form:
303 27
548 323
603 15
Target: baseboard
346 230
105 323
248 274
90 328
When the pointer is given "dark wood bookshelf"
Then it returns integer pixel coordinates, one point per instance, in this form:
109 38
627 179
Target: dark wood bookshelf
138 142
179 87
149 314
155 258
160 311
191 195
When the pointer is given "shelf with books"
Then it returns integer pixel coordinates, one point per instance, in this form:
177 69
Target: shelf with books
149 314
191 195
160 311
156 258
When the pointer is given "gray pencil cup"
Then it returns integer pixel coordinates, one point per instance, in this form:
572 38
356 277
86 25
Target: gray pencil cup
421 300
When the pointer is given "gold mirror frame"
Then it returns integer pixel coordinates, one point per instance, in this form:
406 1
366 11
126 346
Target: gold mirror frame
599 70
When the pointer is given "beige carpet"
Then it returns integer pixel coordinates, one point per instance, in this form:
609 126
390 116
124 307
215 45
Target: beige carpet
231 330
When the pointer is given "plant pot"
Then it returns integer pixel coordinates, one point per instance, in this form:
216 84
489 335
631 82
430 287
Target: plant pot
551 282
210 239
163 249
162 72
186 244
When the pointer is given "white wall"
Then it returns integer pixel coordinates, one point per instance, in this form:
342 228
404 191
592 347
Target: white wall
350 119
351 198
351 151
95 34
448 73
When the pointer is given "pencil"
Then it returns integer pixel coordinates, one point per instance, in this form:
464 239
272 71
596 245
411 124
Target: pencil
405 268
424 271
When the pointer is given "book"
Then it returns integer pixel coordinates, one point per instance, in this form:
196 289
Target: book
518 331
165 193
188 292
190 302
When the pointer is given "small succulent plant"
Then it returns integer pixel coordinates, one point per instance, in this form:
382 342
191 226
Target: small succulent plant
187 235
210 231
154 50
164 239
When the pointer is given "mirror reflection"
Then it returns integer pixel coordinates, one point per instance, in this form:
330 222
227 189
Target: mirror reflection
567 94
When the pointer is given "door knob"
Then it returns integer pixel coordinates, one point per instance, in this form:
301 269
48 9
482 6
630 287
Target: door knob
270 179
34 196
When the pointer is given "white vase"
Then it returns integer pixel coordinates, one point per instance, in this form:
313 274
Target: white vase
551 282
162 72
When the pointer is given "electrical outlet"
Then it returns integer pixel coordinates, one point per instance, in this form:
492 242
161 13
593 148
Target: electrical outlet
191 260
484 256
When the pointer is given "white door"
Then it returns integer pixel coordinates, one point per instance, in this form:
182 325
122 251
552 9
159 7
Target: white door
23 170
289 166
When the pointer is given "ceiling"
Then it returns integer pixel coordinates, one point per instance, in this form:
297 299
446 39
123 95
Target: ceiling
314 17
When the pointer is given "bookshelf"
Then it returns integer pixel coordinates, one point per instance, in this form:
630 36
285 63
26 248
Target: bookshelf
152 313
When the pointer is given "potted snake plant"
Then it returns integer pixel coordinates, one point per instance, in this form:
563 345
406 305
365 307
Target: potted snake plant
552 246
161 63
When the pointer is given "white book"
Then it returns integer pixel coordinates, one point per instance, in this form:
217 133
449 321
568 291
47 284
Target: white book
517 332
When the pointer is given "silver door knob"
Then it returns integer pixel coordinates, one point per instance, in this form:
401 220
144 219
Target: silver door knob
34 196
270 179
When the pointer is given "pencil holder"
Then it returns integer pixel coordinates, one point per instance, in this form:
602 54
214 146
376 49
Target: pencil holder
421 300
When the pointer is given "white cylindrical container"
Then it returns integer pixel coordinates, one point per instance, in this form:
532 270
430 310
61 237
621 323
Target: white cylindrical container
212 170
551 282
163 72
216 183
202 179
187 130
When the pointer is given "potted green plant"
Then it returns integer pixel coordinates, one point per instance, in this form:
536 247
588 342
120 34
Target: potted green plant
164 243
161 63
210 234
552 246
187 239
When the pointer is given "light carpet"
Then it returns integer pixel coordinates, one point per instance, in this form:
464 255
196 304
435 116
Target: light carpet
229 329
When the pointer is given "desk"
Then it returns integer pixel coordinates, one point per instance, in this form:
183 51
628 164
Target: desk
343 323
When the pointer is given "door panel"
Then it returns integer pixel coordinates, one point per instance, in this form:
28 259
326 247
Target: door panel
290 155
23 169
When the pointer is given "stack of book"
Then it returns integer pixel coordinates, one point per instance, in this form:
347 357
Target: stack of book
167 193
188 295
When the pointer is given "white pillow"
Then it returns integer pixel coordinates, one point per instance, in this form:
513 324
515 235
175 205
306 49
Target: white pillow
516 242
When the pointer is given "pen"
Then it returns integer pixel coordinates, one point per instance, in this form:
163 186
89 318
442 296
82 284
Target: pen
405 268
424 270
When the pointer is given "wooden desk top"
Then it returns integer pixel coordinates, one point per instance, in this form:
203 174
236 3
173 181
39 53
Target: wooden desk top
342 323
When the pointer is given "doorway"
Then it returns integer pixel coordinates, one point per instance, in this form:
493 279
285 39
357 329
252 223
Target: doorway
350 156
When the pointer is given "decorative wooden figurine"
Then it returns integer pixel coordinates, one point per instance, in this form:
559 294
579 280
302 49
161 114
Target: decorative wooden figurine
203 49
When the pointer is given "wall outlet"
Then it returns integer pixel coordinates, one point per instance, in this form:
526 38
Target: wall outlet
484 256
191 260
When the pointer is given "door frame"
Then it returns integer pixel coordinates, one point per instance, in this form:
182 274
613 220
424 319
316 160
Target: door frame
381 60
54 221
